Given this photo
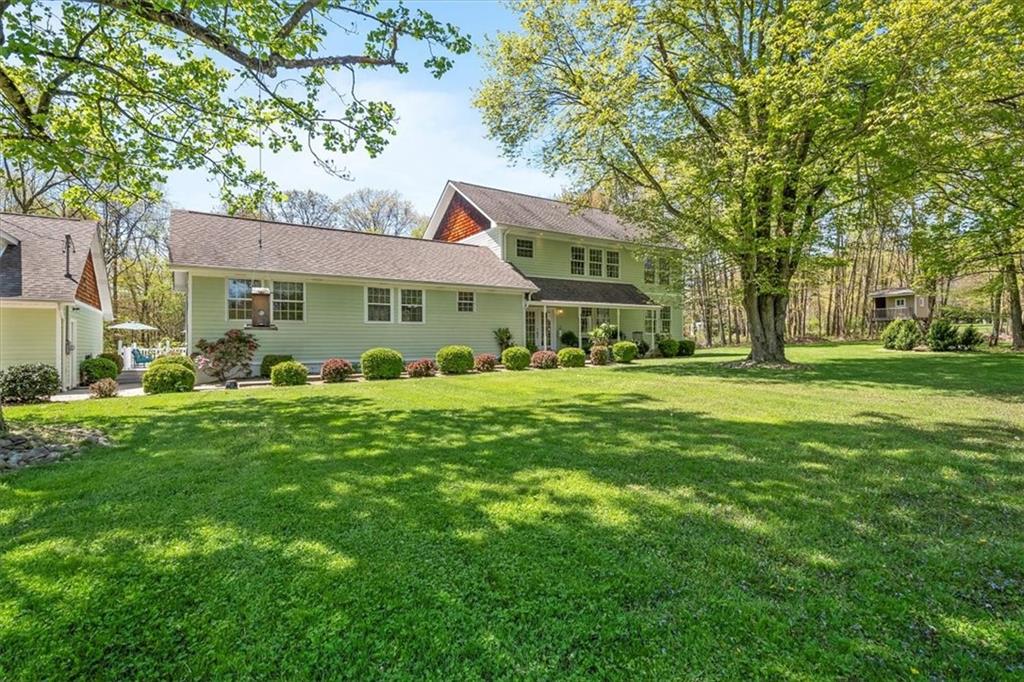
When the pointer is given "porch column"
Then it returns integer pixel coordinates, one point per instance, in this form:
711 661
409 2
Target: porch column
618 319
579 321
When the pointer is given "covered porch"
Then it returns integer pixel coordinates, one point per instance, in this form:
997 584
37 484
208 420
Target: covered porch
563 306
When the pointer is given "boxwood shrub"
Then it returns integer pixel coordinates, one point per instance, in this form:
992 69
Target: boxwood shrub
571 357
624 351
901 335
515 358
687 347
485 362
268 362
544 359
668 347
455 359
168 378
182 360
381 363
600 355
335 370
28 383
95 369
421 368
288 373
116 358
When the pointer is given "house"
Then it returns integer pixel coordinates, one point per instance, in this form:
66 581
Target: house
489 259
53 293
898 304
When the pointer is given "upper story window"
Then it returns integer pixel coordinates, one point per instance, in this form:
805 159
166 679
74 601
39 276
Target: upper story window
524 248
596 263
288 301
648 271
412 305
378 304
466 302
613 264
577 260
663 271
240 298
666 320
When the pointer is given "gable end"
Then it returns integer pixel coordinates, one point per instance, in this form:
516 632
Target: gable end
460 220
88 290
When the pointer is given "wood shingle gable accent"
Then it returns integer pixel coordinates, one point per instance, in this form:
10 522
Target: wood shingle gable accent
88 290
461 220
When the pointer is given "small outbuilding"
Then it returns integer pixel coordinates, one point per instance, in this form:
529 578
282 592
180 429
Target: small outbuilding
898 304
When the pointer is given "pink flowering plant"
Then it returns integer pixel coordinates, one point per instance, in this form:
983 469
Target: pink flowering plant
228 355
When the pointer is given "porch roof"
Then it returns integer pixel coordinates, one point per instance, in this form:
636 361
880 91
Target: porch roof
577 292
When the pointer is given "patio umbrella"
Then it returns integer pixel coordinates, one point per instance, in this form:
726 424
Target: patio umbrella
133 326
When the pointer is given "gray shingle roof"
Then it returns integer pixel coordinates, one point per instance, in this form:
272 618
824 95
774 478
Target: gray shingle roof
218 241
897 291
34 269
523 210
611 293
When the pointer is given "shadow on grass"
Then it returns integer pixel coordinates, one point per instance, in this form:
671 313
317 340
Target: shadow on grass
603 536
994 375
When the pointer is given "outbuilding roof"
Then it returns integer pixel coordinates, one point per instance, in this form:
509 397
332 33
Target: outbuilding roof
218 241
897 291
33 264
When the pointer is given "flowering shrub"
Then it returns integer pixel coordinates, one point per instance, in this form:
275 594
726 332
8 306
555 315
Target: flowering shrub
421 368
28 383
485 362
603 334
624 351
288 373
104 388
571 357
95 369
168 378
600 355
544 359
229 354
335 370
455 359
381 363
515 358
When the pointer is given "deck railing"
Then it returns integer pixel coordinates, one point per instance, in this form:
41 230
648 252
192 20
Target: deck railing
892 313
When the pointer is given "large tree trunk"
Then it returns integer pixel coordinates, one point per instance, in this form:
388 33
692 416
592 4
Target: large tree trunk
1016 319
766 319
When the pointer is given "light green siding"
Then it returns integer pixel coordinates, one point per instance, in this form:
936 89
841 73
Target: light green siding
335 325
90 331
28 335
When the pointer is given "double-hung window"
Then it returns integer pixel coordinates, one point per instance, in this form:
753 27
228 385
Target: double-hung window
650 319
603 316
577 260
666 320
586 317
648 271
466 302
412 305
612 258
524 248
596 262
663 271
378 304
288 301
240 298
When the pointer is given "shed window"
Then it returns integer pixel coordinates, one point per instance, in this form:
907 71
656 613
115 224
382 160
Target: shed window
288 301
596 262
613 264
412 305
524 248
577 259
378 304
240 298
901 303
466 302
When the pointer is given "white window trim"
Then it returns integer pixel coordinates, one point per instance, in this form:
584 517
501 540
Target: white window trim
900 302
618 265
398 302
533 247
662 320
582 262
366 305
227 298
457 302
305 310
591 262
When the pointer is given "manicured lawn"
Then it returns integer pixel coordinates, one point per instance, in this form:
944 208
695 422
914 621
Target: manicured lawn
863 519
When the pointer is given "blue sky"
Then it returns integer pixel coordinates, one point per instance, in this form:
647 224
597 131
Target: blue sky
439 133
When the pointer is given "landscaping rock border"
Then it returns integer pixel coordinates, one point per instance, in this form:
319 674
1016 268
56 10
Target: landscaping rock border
36 444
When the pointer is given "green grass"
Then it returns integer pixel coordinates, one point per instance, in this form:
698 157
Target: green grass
863 519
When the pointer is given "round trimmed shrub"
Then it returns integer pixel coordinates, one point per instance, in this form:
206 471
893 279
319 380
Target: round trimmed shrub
624 351
116 358
104 388
335 370
571 357
95 369
183 360
381 363
544 359
168 378
269 360
970 338
421 368
668 347
455 359
30 383
515 358
942 336
600 355
485 362
901 335
288 373
687 347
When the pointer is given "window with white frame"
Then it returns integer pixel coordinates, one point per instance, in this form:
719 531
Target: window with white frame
531 326
288 301
901 303
596 262
240 298
524 248
603 316
412 305
586 319
648 271
378 304
577 260
650 320
666 320
466 302
663 271
612 258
